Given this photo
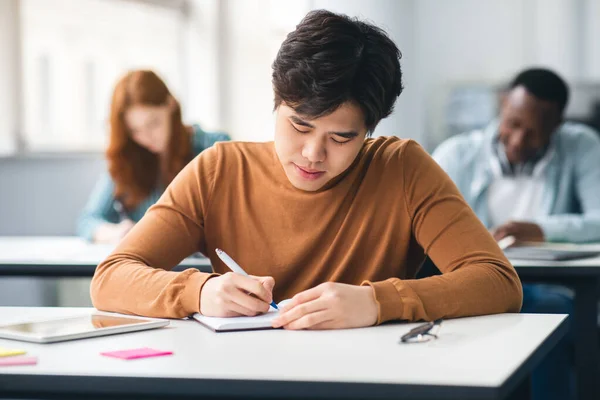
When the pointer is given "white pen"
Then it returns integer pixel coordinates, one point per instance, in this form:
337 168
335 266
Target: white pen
235 267
506 242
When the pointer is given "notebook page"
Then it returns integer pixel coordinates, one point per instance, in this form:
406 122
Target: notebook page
239 323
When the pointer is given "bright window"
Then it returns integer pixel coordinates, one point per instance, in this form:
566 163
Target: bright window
73 52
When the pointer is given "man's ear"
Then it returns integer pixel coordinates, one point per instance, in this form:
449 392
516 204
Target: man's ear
559 120
555 116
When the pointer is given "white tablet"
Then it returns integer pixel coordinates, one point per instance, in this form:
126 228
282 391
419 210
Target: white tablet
69 328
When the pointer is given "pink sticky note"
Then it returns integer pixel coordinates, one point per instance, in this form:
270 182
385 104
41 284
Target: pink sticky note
11 361
136 353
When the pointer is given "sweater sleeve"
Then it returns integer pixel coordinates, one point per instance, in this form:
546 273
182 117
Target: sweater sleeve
137 278
476 278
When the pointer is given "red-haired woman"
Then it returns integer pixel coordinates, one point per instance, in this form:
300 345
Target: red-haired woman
148 146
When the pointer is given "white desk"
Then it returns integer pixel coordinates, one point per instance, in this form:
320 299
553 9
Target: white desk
583 276
60 257
482 357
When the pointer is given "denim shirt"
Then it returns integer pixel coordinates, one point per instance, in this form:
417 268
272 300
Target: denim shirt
100 208
570 209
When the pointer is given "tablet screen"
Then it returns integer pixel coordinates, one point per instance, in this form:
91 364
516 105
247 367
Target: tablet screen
72 325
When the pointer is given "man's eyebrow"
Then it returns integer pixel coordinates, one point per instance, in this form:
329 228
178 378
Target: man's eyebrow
299 121
346 135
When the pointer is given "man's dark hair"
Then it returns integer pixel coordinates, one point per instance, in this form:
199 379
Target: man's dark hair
545 85
331 59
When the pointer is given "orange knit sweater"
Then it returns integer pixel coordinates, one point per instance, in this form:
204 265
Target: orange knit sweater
372 225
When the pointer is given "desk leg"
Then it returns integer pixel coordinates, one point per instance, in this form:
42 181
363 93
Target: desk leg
522 391
585 334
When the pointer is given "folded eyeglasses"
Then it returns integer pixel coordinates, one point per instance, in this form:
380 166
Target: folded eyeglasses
422 333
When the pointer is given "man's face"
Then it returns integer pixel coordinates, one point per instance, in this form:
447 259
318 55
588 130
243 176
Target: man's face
526 124
314 151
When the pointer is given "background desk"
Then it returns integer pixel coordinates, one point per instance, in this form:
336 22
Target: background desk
61 257
583 276
474 358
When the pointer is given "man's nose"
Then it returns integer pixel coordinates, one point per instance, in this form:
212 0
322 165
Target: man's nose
314 151
517 139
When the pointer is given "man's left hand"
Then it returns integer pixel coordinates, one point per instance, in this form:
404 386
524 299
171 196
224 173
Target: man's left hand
329 306
522 231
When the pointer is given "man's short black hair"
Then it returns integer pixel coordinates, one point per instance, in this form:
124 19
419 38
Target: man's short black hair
545 85
331 59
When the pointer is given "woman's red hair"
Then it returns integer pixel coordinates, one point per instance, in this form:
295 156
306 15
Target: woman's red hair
135 170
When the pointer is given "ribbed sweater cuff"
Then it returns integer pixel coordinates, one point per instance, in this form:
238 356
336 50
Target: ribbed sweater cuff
190 298
389 303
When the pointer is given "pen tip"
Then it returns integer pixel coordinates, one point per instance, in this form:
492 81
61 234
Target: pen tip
218 251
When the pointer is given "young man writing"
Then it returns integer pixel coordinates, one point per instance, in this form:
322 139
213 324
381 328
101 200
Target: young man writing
338 222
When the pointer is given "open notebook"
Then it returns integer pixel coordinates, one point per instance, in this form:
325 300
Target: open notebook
240 323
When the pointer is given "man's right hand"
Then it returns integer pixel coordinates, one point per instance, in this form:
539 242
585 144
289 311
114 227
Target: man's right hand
234 295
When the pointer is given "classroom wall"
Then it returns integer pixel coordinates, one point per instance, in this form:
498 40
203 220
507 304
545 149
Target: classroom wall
495 41
589 14
9 73
203 76
42 195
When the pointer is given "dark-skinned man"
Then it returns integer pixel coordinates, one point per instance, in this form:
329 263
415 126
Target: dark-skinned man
531 175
